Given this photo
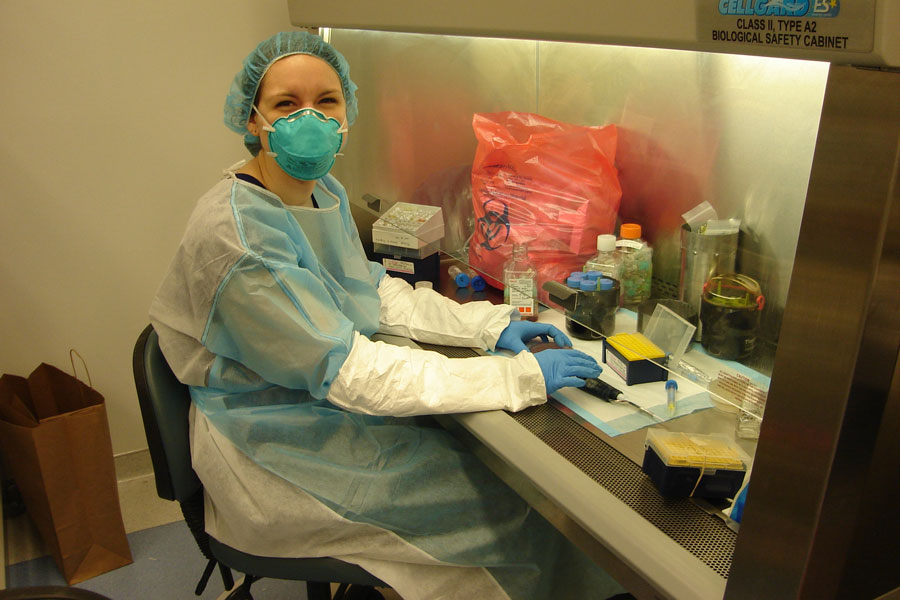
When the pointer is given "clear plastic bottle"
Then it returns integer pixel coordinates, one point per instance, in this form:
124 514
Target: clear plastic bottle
520 283
465 277
637 265
608 259
461 276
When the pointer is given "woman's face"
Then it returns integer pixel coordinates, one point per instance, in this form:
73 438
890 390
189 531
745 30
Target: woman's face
295 82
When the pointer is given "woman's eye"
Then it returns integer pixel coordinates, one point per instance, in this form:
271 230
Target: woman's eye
328 100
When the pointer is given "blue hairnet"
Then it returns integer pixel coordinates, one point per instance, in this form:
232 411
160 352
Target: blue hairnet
239 102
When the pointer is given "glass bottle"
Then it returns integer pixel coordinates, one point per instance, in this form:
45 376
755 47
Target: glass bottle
637 265
520 283
608 260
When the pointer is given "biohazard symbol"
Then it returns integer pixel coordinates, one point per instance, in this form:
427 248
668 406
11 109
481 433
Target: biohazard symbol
494 225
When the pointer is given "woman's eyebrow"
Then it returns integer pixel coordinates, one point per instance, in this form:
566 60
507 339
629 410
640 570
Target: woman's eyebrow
283 93
289 92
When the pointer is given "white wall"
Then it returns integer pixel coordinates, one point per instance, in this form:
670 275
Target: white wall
110 129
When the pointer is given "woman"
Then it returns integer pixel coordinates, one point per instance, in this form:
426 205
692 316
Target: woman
299 428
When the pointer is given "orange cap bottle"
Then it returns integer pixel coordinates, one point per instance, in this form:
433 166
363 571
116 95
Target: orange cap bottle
630 231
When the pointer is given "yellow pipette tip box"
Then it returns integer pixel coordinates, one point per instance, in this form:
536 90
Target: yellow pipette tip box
634 358
681 464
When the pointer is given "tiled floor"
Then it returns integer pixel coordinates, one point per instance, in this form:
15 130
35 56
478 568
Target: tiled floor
142 511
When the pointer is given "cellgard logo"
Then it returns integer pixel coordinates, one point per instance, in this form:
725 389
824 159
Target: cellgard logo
780 8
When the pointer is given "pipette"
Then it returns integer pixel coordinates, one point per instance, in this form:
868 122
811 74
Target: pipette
608 393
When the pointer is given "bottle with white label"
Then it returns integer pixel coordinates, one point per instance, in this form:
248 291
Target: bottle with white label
520 283
637 265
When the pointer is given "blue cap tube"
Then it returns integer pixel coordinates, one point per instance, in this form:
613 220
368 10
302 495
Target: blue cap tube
671 388
460 277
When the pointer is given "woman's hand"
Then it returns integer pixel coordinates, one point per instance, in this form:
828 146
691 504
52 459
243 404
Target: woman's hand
566 368
518 332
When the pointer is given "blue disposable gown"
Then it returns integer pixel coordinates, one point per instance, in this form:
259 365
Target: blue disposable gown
266 313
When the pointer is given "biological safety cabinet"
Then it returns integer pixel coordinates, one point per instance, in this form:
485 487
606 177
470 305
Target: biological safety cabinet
783 114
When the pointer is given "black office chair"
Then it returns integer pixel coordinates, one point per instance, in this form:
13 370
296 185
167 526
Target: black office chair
165 402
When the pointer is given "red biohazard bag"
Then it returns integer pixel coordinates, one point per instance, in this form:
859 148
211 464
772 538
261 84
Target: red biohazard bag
551 185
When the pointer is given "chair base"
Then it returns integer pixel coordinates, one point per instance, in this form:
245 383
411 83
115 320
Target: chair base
49 592
315 590
306 569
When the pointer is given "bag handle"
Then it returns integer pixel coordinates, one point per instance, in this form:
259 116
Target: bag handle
72 352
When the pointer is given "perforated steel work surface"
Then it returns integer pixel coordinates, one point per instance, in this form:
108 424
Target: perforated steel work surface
700 533
450 351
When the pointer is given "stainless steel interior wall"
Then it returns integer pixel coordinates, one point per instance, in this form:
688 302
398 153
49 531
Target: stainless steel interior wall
736 131
820 519
413 139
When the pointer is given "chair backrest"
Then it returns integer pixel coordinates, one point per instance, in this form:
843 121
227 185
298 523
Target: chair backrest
165 403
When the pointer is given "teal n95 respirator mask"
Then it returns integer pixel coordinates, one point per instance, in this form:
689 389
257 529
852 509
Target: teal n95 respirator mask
305 142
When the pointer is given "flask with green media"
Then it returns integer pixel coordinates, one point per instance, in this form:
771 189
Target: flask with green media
637 265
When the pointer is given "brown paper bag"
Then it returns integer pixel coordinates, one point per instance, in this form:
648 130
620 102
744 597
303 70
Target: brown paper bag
54 437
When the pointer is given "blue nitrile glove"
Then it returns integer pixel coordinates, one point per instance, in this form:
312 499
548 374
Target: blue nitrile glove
566 367
518 332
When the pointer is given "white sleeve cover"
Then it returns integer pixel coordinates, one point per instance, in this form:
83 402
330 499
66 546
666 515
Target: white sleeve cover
382 379
427 316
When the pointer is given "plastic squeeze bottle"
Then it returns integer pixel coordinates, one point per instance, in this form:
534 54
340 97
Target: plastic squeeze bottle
637 265
608 260
520 283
